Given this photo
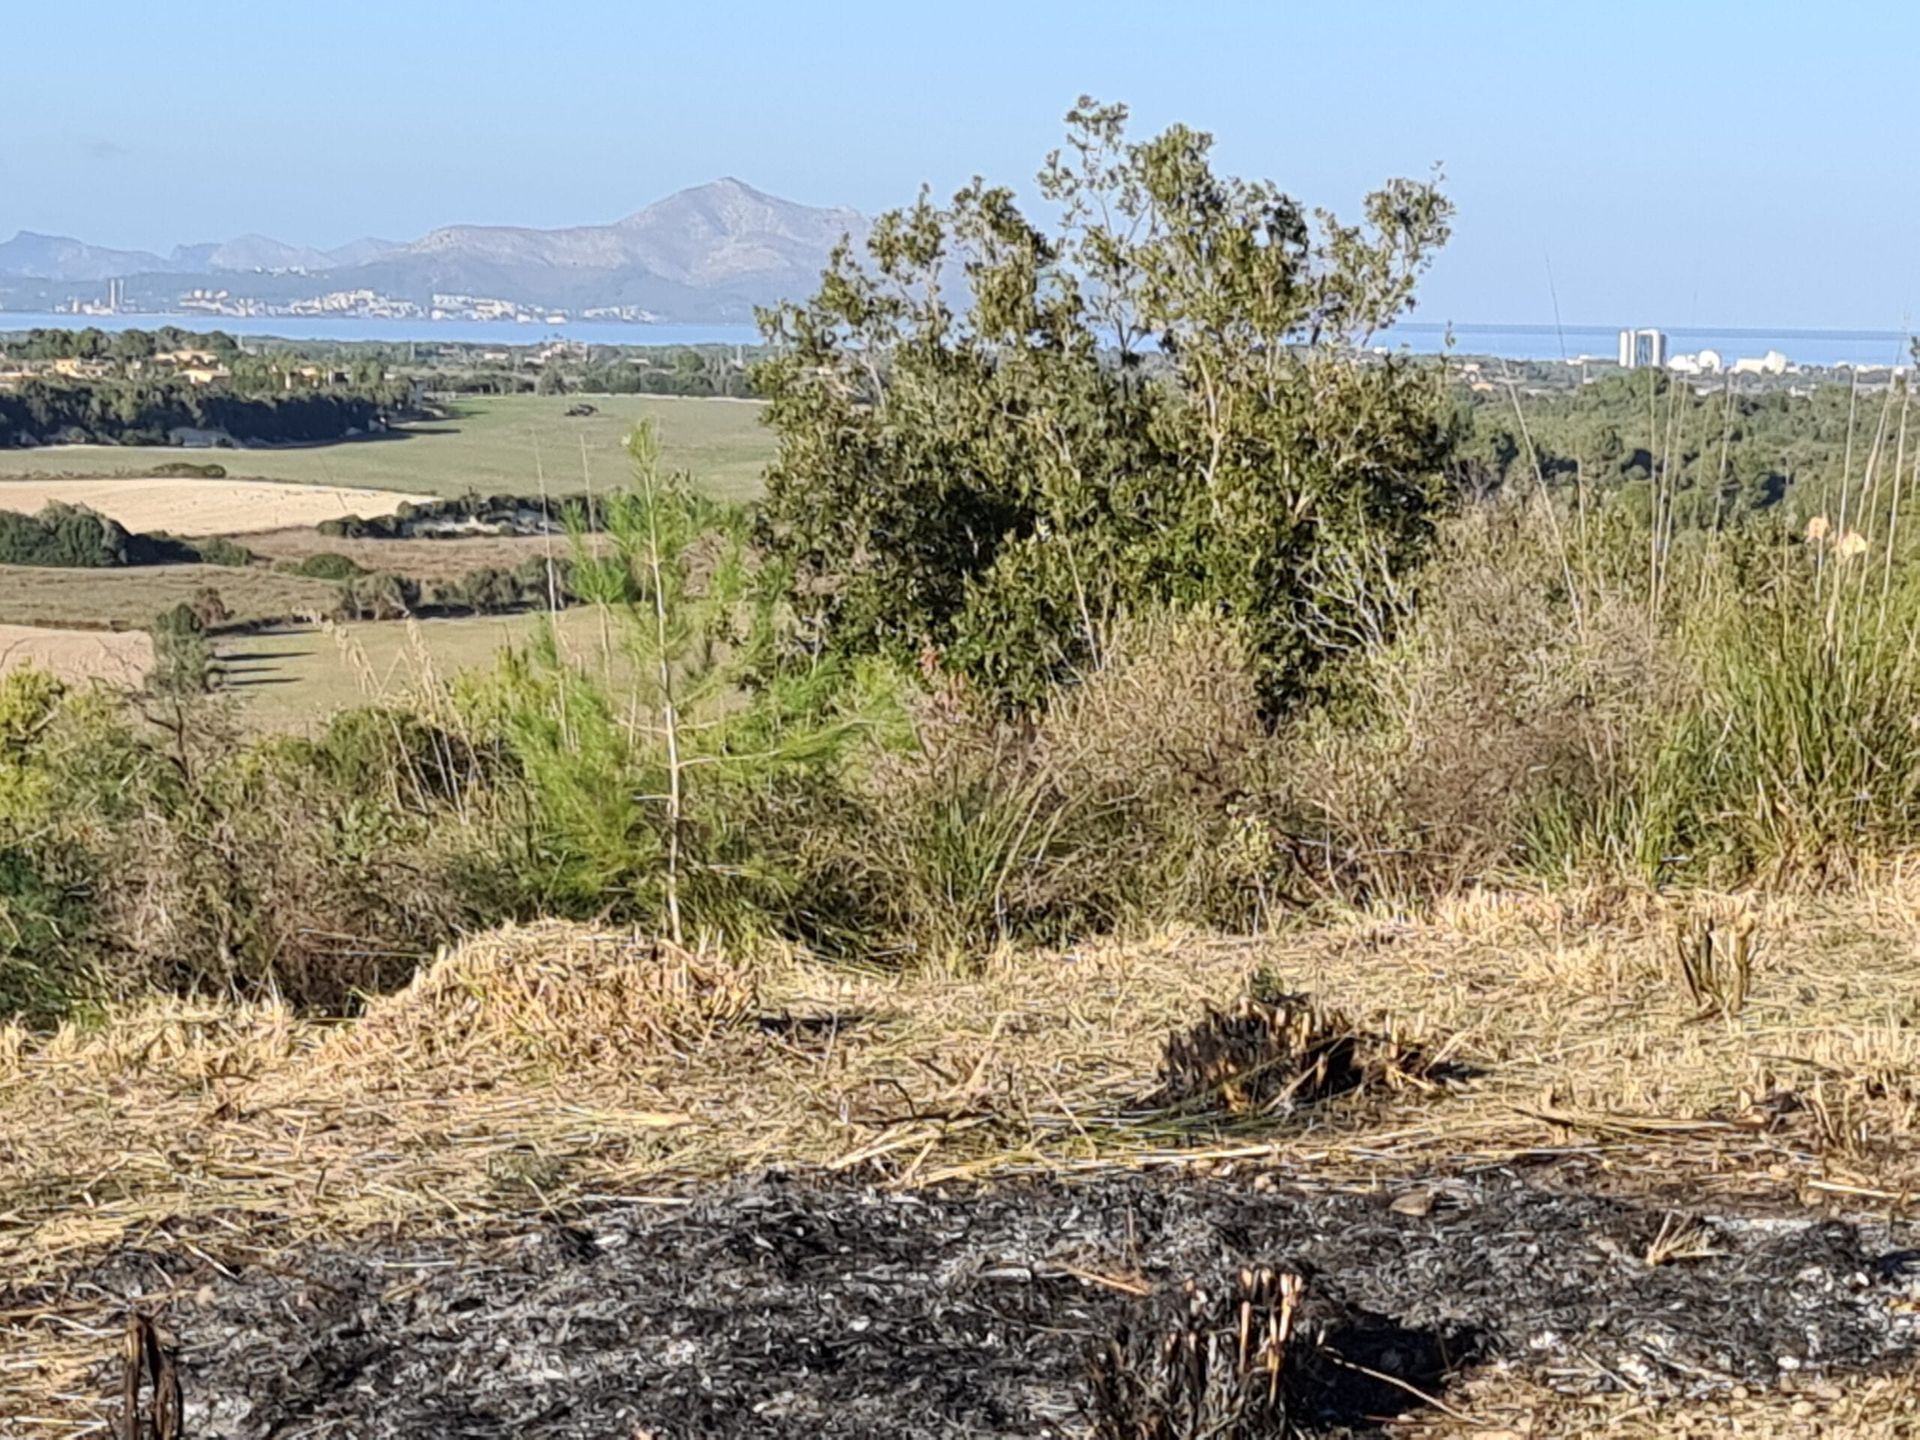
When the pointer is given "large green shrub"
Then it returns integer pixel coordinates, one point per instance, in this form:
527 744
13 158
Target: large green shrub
326 565
63 535
1165 400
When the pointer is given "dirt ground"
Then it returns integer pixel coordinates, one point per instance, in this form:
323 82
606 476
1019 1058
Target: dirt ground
119 659
200 507
536 1192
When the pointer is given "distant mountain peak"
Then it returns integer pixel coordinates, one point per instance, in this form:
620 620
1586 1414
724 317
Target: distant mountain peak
706 252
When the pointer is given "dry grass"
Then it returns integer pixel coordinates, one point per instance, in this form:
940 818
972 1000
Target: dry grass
199 507
124 599
1871 1407
77 656
424 560
537 1069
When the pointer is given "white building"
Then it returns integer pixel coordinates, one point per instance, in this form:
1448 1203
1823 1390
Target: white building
1772 363
1642 348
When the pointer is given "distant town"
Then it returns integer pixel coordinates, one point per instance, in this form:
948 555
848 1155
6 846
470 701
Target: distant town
359 304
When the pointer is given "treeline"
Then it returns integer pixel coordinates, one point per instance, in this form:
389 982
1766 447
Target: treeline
93 343
1706 453
695 371
143 411
537 582
471 514
75 537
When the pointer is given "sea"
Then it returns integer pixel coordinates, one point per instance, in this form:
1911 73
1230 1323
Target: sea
1820 348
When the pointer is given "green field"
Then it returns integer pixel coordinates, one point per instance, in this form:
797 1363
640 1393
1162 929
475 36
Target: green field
492 443
292 678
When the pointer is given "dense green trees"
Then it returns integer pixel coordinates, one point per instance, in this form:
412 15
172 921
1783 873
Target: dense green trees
71 536
144 412
1713 454
92 343
994 440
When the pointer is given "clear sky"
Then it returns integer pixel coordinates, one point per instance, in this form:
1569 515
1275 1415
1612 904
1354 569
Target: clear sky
1679 163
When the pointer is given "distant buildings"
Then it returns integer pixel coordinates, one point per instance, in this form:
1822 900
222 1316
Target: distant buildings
1704 362
1647 349
1772 363
1641 348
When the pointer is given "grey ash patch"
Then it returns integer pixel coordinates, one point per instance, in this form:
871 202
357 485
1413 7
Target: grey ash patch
789 1308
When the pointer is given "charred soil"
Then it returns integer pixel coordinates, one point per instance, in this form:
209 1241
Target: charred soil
787 1307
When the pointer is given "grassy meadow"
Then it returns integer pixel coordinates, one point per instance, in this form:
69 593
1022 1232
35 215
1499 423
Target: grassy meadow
294 678
491 444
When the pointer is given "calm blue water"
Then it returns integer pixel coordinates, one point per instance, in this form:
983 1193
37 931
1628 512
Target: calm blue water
471 332
1517 342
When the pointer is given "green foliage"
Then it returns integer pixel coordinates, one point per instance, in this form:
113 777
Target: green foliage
188 469
67 772
1716 455
76 537
145 411
644 764
1801 757
218 550
70 536
327 565
182 654
1164 401
461 516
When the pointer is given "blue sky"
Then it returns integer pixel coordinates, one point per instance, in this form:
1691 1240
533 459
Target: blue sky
1674 164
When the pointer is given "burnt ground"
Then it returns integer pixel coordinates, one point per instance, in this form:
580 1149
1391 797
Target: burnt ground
788 1307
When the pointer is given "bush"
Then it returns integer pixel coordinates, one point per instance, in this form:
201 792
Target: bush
172 853
1003 485
488 590
1475 706
182 654
327 565
188 470
377 597
218 550
1136 798
63 535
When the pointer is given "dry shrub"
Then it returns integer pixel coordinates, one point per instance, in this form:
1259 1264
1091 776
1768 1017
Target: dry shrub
556 995
1258 1354
1273 1053
312 873
1134 798
1166 736
1521 686
269 898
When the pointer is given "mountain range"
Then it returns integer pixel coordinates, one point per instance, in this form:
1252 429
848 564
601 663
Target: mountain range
710 253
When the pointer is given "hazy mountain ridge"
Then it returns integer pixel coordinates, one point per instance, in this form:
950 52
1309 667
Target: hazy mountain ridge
708 253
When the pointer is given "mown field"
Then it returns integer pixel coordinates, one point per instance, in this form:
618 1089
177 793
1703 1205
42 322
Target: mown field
129 599
499 443
293 678
178 506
